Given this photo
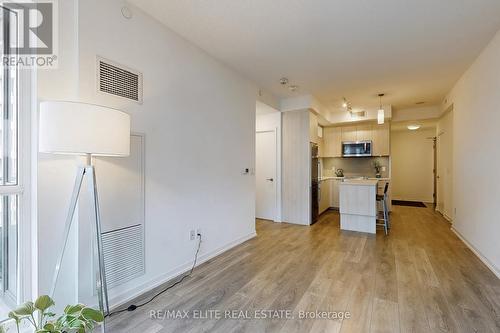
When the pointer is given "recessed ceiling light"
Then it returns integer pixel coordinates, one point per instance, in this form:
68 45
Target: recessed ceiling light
413 127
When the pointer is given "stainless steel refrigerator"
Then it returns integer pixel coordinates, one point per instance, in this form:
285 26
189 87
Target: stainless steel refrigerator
315 183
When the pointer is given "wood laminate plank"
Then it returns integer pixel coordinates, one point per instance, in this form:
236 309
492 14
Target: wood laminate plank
412 314
385 317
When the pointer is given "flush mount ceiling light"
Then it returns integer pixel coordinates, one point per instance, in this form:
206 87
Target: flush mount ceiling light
413 127
126 12
283 81
381 113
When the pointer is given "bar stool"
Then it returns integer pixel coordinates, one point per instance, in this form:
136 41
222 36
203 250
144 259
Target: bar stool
385 210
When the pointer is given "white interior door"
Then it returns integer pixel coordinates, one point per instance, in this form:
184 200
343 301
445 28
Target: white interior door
265 175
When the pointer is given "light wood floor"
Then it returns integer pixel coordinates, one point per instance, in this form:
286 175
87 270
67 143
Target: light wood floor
421 278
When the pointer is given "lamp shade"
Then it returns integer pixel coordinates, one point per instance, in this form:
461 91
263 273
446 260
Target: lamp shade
80 128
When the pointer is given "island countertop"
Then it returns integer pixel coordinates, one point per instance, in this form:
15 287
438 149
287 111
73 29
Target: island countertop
359 182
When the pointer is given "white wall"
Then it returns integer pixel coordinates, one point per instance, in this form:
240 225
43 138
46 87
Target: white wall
199 120
412 157
476 158
444 133
425 112
272 122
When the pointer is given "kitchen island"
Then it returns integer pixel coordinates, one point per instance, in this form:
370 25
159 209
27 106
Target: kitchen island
358 205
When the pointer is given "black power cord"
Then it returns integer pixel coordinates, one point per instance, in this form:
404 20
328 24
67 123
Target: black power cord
133 307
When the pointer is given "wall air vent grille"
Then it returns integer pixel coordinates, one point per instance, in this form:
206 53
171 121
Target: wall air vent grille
118 80
123 251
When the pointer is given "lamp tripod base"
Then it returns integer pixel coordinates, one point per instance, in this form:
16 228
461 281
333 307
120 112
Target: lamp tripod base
98 255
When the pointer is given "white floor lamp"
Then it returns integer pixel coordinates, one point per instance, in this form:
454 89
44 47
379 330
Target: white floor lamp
89 130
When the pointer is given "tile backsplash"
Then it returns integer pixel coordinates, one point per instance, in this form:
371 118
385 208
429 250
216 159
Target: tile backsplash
358 166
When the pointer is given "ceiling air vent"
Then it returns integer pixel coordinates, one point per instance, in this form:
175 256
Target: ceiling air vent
118 80
359 114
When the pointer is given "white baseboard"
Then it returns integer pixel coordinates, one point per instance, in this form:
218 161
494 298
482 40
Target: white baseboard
427 200
478 254
443 214
128 295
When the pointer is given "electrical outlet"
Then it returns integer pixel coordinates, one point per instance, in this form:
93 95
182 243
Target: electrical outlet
198 231
192 235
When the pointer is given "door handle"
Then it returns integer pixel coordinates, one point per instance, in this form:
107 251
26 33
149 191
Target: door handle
270 179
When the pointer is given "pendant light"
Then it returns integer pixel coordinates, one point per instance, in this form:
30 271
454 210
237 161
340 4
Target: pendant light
381 113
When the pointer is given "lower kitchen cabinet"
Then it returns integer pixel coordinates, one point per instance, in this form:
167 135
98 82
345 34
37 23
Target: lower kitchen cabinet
325 194
334 197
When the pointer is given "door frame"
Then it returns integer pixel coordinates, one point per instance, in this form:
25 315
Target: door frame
434 172
277 175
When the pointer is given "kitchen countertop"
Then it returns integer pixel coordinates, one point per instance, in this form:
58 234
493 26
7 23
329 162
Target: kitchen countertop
344 178
360 182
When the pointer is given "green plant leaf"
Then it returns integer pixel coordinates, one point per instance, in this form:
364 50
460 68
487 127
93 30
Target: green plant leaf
26 309
92 314
76 324
44 302
49 327
15 316
73 309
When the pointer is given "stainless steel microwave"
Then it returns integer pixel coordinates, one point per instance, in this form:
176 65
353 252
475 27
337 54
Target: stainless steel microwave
357 148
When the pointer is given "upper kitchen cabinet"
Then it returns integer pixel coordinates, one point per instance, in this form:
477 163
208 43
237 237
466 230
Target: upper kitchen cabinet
321 142
364 133
313 128
349 133
332 137
381 140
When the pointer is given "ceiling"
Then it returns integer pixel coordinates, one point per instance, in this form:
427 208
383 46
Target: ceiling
412 50
263 109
